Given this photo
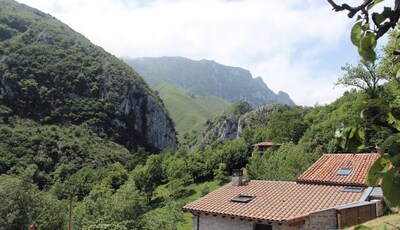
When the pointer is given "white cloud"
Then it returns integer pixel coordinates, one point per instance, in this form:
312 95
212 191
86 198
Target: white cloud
291 44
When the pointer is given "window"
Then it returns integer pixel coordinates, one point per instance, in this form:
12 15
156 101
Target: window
352 189
344 171
242 198
263 227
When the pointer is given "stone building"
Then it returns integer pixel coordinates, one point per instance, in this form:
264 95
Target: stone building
331 194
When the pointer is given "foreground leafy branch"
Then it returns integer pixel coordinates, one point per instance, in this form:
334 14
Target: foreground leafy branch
375 111
365 34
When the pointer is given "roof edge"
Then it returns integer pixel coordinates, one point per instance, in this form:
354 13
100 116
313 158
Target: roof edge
318 182
193 211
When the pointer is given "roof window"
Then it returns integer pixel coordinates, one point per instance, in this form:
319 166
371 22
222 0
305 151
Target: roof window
242 198
352 189
344 171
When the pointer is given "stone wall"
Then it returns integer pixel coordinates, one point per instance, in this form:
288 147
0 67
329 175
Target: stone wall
322 220
210 222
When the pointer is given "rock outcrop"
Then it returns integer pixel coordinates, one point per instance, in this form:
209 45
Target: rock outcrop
230 127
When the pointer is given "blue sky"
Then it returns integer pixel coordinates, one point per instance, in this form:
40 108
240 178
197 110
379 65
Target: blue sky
295 46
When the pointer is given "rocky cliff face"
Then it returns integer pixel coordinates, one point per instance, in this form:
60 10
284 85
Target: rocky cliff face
53 75
144 120
208 78
230 127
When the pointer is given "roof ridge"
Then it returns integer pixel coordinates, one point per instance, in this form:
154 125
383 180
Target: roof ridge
330 154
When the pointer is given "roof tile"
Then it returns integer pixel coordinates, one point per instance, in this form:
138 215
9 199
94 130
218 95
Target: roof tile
274 200
325 170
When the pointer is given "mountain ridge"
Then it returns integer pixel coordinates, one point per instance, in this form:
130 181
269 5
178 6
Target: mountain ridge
208 78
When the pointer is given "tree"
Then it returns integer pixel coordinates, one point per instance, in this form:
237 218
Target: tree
220 173
364 37
286 126
363 76
22 203
389 65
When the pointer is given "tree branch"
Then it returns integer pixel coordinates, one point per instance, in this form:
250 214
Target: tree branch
352 10
381 29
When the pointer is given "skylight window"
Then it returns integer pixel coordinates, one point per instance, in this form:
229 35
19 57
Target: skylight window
242 198
344 171
352 189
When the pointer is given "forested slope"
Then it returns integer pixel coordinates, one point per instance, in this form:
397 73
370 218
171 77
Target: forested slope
53 75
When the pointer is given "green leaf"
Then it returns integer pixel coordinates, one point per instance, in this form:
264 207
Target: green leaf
391 189
374 173
387 12
367 47
354 139
355 35
382 227
394 153
395 113
374 4
365 27
390 140
368 41
398 74
378 18
362 227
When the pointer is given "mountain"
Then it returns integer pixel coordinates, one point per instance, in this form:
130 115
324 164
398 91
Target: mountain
188 111
54 75
208 78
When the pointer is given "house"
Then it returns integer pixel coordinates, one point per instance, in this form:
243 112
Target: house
331 194
263 146
339 169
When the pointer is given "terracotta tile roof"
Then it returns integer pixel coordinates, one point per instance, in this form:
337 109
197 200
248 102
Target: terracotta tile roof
274 200
266 144
325 170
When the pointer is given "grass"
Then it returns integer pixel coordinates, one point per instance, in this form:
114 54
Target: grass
189 112
212 185
392 222
196 191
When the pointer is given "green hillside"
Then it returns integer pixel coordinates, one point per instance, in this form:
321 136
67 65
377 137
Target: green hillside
53 75
188 111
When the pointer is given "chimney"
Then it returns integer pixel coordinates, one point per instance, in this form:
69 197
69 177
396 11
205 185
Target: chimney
378 150
237 177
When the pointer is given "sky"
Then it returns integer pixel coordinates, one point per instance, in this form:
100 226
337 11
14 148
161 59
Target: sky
294 46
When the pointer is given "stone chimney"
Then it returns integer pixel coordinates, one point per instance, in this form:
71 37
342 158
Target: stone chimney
378 150
237 177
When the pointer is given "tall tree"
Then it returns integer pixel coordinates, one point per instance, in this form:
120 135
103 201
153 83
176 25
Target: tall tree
363 76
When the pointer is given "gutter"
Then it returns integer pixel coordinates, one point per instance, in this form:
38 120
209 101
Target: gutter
198 222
